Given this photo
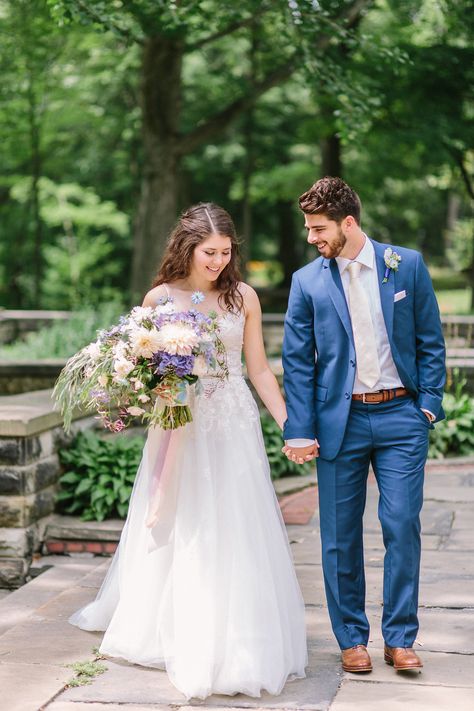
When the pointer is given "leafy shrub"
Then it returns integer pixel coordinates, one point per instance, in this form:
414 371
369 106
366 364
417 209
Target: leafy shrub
99 475
454 436
279 464
63 338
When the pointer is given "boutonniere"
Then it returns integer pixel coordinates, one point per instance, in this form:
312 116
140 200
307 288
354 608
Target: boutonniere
391 259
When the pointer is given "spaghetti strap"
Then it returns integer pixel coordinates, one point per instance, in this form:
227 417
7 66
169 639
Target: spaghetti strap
167 290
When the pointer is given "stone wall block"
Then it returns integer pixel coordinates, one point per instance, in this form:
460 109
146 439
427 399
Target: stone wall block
22 511
18 451
17 480
47 473
46 443
18 542
13 572
39 505
12 511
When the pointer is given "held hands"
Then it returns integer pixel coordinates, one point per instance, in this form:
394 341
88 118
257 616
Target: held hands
301 454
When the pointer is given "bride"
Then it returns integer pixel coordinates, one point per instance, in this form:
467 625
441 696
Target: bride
209 593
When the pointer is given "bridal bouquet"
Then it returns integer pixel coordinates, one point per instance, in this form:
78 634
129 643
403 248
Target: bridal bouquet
142 368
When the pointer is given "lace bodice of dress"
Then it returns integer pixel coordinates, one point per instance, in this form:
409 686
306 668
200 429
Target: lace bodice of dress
231 328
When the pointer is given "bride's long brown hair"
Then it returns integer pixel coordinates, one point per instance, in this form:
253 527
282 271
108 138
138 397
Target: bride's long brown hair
196 224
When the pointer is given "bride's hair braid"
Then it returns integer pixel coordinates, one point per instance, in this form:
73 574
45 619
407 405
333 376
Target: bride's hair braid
195 225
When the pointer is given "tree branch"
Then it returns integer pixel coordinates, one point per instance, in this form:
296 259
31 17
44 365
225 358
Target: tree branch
228 30
127 34
459 160
219 122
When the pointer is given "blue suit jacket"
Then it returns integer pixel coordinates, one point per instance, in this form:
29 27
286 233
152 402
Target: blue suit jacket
318 391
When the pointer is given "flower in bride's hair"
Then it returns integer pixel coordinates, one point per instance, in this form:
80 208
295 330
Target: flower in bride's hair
177 338
145 341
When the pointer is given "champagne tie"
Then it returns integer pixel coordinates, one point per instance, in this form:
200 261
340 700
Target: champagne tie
368 367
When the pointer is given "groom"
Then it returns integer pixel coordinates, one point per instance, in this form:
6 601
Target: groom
364 370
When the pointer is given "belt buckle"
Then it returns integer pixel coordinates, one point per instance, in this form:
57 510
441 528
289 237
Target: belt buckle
364 400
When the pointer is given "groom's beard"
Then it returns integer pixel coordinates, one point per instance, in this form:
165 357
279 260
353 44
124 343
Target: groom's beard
335 248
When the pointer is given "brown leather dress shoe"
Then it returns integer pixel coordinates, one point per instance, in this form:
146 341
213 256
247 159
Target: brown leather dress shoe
356 659
402 658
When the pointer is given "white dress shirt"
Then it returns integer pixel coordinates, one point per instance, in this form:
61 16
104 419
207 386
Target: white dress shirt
369 280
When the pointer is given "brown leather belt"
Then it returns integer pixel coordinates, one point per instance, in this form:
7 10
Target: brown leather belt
380 395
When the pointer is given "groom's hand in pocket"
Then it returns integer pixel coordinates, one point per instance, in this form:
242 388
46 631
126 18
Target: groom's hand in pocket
301 454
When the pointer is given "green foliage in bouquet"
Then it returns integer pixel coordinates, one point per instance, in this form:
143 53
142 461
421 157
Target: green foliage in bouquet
99 476
279 464
454 436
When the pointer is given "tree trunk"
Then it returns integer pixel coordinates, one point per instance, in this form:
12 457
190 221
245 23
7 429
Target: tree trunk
331 156
246 247
289 244
158 205
35 198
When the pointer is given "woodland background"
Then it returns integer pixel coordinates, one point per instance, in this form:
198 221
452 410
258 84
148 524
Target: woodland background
115 115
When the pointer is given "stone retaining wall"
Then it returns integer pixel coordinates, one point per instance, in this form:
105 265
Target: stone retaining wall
30 436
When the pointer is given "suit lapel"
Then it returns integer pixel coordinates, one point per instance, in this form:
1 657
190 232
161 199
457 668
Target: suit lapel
335 289
387 289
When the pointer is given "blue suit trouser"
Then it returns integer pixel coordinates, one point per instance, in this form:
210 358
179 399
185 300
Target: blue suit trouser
393 437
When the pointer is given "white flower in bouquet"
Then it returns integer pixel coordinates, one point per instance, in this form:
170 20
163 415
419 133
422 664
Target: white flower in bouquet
145 342
141 313
200 367
135 411
123 367
143 398
119 350
137 384
93 350
167 308
103 380
177 339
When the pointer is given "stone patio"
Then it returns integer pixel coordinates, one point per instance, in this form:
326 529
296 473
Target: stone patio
36 642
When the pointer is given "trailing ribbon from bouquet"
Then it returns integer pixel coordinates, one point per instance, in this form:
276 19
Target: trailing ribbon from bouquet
161 510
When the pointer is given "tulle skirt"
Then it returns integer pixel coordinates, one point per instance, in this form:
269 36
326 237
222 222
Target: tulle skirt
209 591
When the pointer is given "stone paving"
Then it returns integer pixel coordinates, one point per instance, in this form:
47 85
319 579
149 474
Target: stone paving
36 641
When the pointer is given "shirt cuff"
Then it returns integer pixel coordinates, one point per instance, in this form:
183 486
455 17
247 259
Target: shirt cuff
432 417
299 442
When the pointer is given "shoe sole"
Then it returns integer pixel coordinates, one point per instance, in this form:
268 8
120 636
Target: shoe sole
389 660
355 670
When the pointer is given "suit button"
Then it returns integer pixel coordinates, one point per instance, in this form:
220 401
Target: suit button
347 396
353 363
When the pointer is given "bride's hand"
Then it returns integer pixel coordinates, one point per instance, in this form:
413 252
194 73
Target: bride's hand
302 454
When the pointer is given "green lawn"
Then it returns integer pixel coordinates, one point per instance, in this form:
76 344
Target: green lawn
454 301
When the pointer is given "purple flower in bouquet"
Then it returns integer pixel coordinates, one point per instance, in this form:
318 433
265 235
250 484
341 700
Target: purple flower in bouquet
181 365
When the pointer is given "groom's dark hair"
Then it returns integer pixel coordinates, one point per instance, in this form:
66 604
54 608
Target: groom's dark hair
333 198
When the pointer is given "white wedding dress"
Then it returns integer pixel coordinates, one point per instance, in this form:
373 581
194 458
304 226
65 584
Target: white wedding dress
210 592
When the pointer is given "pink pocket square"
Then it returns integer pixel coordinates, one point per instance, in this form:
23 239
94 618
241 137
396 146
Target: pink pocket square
399 295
